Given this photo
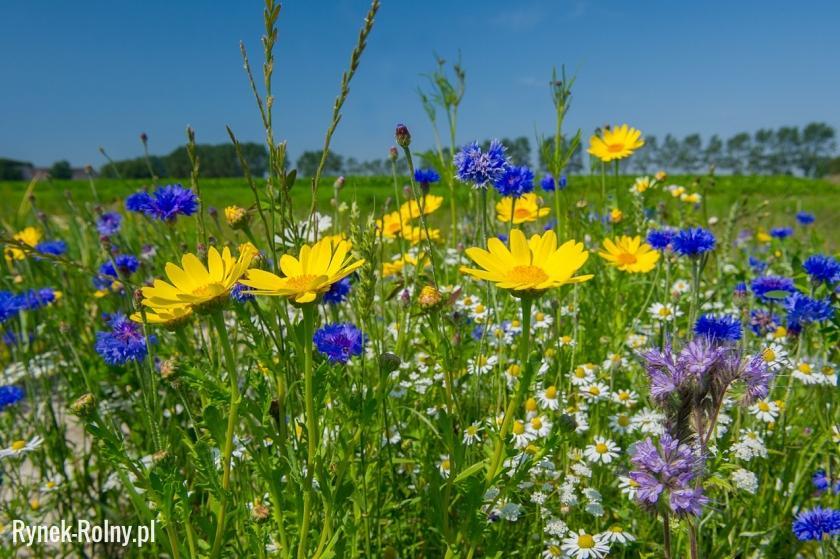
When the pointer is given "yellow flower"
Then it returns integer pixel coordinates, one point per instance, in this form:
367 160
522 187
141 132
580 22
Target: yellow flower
660 176
693 198
641 184
394 267
165 316
392 224
616 215
616 143
194 285
304 278
525 208
762 237
417 234
236 216
429 203
630 254
29 236
529 265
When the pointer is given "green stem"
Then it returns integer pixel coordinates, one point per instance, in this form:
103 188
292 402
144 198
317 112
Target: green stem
219 322
311 425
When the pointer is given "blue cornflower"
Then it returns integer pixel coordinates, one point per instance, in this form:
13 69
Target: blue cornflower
239 293
502 237
12 338
127 264
781 232
740 289
109 223
56 248
802 310
9 305
338 292
764 285
758 266
426 176
660 238
165 203
805 218
478 167
816 523
478 332
822 269
763 322
548 184
820 480
719 328
10 395
36 298
515 182
123 343
339 342
693 242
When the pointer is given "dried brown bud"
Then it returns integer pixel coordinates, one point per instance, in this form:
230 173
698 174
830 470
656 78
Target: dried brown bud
260 513
403 136
84 405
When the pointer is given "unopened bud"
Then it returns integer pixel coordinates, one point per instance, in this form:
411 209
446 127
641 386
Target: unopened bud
392 153
260 513
339 183
429 297
403 136
83 406
389 362
237 217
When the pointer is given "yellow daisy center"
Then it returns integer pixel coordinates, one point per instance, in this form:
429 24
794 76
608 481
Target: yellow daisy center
601 448
769 355
585 541
764 406
594 390
626 259
616 529
518 428
623 396
526 274
522 213
18 445
664 311
539 316
623 420
536 423
472 430
445 464
615 148
551 392
805 368
209 290
305 282
531 404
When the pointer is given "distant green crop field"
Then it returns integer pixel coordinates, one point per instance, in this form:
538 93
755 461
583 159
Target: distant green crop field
784 195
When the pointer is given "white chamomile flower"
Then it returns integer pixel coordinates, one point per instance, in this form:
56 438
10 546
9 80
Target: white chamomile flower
520 435
583 374
625 397
481 365
664 312
602 451
539 427
553 550
585 546
565 341
595 391
616 534
21 447
542 320
828 374
765 410
679 287
548 398
444 466
775 355
472 434
621 423
628 486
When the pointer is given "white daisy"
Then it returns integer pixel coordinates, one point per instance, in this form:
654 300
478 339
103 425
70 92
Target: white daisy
539 426
806 373
548 398
621 423
583 374
444 466
625 397
765 410
616 534
679 287
552 550
22 447
664 312
542 320
775 355
585 546
481 364
602 451
520 435
595 391
472 434
628 486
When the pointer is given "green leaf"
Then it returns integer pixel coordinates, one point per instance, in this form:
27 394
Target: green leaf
777 294
477 467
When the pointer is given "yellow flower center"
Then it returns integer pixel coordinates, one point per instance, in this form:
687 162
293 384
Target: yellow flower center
623 396
585 541
623 420
664 311
616 529
594 390
479 308
626 259
17 446
522 213
526 274
805 368
566 339
445 465
551 392
472 430
210 290
580 372
539 316
615 148
530 404
518 428
769 355
536 423
306 282
514 370
601 448
764 406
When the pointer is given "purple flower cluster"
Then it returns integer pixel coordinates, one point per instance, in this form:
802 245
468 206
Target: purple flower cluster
473 165
165 203
668 471
339 342
123 343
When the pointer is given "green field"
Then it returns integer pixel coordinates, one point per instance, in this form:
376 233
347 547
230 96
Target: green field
783 195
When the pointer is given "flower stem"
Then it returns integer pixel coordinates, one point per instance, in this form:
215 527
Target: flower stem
666 535
219 322
311 425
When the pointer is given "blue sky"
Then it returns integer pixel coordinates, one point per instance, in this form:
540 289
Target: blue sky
79 75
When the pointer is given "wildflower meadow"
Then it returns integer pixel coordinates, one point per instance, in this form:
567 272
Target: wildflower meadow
472 358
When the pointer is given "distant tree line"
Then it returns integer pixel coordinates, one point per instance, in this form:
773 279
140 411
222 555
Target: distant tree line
215 161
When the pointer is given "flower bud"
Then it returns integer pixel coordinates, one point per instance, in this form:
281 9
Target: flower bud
429 297
260 513
403 136
392 153
339 183
84 405
237 217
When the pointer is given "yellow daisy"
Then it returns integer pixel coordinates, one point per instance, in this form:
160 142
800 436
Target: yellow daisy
629 254
417 234
429 203
306 277
30 236
165 316
392 224
194 285
615 143
529 265
527 208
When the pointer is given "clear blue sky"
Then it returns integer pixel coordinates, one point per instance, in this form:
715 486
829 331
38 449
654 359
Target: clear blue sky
77 75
